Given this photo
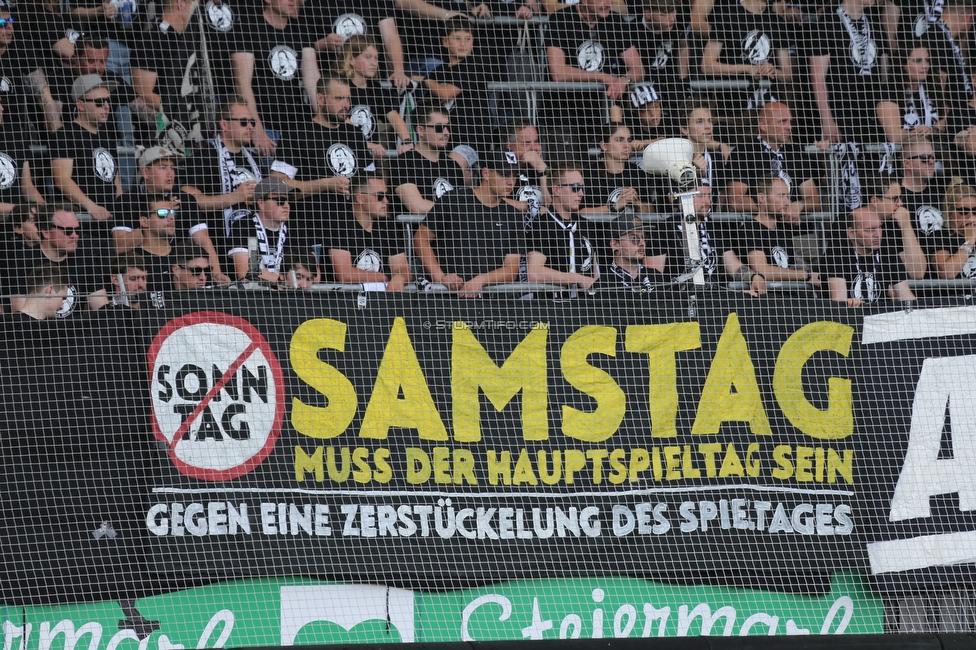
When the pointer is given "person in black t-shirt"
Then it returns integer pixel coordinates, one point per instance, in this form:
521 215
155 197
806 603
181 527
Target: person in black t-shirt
222 173
769 238
921 191
861 267
953 255
47 288
365 244
629 246
915 105
643 114
747 40
588 43
559 246
274 60
659 36
166 74
191 268
945 40
615 184
83 161
157 221
710 156
128 274
373 105
269 226
521 137
772 152
425 174
16 62
474 238
16 182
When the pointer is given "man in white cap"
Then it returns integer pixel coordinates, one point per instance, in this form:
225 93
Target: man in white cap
83 157
268 225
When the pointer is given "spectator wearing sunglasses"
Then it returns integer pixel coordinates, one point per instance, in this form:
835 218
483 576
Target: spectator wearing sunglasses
83 158
953 257
559 244
268 225
157 222
191 267
62 244
921 190
365 244
426 173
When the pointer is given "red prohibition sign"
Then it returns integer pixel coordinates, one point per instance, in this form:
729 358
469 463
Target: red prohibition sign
218 394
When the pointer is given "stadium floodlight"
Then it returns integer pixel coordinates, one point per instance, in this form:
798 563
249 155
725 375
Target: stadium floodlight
672 157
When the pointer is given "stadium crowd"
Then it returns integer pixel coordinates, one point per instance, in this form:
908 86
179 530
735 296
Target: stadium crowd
276 140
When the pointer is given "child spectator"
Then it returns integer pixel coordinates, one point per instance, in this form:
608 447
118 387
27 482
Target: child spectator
461 85
360 64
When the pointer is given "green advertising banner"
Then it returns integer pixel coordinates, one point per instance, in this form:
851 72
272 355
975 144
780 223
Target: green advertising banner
305 612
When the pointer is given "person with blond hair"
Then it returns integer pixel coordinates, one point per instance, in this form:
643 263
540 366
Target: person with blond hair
953 256
373 106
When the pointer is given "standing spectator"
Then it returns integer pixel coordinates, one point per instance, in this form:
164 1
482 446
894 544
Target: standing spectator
475 238
166 74
15 64
461 85
360 65
274 60
861 267
83 162
223 22
424 174
588 43
944 41
846 84
46 289
615 184
118 21
559 248
772 152
769 237
191 267
915 105
748 39
157 222
629 246
16 181
953 257
365 244
223 174
269 226
660 39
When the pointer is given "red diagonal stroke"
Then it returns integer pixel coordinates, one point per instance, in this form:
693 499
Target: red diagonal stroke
234 367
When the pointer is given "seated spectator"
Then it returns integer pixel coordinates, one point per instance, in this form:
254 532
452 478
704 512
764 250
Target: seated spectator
344 152
697 125
475 238
274 61
922 192
748 40
461 85
61 244
642 114
23 230
953 257
166 74
947 58
16 181
559 248
128 279
268 224
773 152
365 244
46 290
887 202
341 23
588 43
191 267
373 106
769 237
660 38
861 267
521 137
300 271
223 174
671 252
614 183
628 269
83 160
424 174
915 105
157 221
